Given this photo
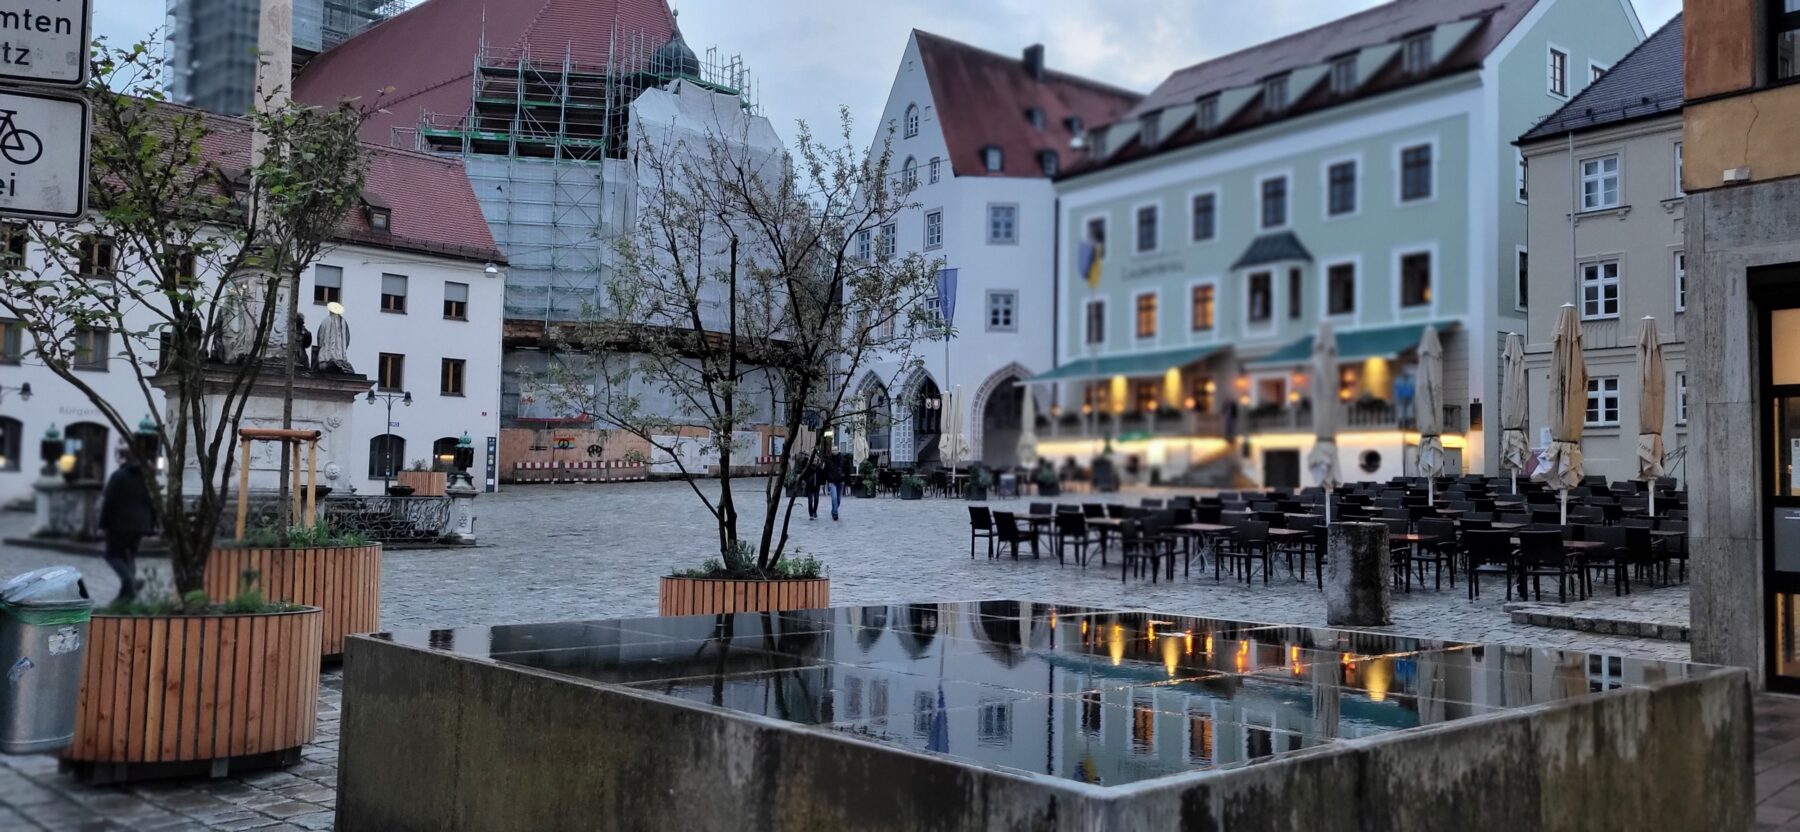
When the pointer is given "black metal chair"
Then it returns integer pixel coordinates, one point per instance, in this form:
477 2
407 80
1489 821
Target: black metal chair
981 525
1140 550
1439 553
1489 553
1072 531
1541 554
1244 549
1008 533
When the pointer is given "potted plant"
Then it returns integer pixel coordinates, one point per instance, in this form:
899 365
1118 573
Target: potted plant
338 572
1049 485
174 682
866 479
912 487
421 479
980 480
735 584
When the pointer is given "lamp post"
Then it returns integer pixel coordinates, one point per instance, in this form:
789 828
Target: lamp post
404 398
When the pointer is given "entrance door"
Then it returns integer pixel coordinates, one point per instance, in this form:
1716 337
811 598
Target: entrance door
1281 469
1781 486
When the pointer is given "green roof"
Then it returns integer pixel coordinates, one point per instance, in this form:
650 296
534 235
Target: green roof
1135 364
1386 342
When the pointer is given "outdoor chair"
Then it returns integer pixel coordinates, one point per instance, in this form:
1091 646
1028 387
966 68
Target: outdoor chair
1072 532
1676 548
1094 510
1115 510
1244 549
1489 553
1541 554
1615 557
1207 514
981 526
1479 516
1514 517
1148 502
1438 553
1008 533
1140 550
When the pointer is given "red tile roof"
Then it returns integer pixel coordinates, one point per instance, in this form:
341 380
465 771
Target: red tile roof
981 99
427 53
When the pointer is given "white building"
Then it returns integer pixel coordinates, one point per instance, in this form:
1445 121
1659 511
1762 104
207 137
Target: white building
419 279
980 134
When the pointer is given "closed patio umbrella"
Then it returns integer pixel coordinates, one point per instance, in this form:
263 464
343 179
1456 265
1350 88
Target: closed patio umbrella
1431 409
951 444
1027 428
1515 449
1323 461
1568 407
859 445
1652 397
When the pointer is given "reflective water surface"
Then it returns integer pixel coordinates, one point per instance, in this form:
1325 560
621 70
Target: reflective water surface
1100 696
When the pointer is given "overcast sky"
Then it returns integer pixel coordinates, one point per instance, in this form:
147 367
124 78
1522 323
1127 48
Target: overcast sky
808 57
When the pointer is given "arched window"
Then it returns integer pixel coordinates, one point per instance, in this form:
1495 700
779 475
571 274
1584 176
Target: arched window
387 455
10 443
87 442
443 453
909 174
912 120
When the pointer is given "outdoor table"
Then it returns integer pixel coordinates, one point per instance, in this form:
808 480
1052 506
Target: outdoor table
1412 540
1036 521
1508 527
1106 526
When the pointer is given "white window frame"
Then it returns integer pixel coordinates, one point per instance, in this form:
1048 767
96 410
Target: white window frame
1325 188
1594 65
934 167
1354 261
1012 323
993 159
1264 327
1600 282
989 219
1155 295
1206 113
1105 224
1136 232
1521 251
1598 389
1617 176
1218 215
1287 215
1521 178
1406 46
1333 76
865 245
1679 264
1087 316
1212 333
1551 49
887 240
909 174
1679 190
1400 149
1681 399
934 221
1399 278
911 121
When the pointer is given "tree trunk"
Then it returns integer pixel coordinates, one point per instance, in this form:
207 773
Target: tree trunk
287 394
727 504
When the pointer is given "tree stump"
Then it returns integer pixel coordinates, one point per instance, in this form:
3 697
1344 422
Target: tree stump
1358 585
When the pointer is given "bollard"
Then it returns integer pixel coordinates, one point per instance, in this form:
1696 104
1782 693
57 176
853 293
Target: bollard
1358 576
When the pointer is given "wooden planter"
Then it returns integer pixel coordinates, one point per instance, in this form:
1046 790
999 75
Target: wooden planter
710 596
182 695
424 483
344 581
911 492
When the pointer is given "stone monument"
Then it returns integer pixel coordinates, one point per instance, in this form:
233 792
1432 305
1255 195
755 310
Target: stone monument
1358 576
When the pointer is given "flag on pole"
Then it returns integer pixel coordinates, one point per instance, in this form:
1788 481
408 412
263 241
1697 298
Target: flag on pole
946 295
1091 252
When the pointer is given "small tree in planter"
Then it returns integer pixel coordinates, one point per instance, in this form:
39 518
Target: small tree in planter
980 480
1048 483
912 487
866 479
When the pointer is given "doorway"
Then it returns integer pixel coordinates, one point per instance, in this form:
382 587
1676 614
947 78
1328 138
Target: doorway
1780 408
1281 469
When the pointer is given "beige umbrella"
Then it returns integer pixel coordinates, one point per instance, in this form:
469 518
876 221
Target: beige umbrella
1323 461
1431 408
951 444
1515 449
1028 440
1652 397
1568 407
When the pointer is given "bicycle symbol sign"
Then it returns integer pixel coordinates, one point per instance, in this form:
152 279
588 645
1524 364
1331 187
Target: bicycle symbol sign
43 155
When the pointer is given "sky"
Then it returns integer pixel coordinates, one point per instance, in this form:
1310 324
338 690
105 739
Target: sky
807 58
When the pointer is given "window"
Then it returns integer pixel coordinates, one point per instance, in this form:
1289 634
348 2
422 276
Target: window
178 263
1416 53
1206 116
1343 75
1074 125
1205 217
1784 37
1415 173
934 229
1521 177
1340 289
12 341
11 443
1296 285
1150 129
1146 315
92 348
992 158
1096 142
1002 308
1096 233
912 120
934 170
328 284
1681 398
1681 281
1035 115
1415 279
1261 298
865 245
1603 401
890 240
392 374
909 174
1275 92
1340 197
1049 162
456 301
1559 73
994 723
13 236
1595 71
94 256
1148 231
1600 290
450 377
380 218
1600 183
1679 190
393 293
387 453
1205 312
1003 224
1522 282
87 441
1274 202
1096 321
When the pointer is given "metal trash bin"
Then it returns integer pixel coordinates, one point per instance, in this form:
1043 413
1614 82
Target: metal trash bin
43 627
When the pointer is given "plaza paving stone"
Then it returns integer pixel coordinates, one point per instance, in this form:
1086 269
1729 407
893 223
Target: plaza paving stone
572 552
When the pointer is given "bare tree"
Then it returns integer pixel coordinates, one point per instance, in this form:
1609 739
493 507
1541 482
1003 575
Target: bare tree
741 296
184 249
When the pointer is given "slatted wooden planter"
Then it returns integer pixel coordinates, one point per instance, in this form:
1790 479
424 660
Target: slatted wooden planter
711 596
344 581
424 483
183 695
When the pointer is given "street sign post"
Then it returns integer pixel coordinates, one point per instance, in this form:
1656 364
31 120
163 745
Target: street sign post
45 42
43 155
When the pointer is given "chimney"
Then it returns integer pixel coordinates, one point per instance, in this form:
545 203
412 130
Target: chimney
1034 61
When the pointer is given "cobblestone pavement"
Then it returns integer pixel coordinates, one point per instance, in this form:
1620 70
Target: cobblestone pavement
570 552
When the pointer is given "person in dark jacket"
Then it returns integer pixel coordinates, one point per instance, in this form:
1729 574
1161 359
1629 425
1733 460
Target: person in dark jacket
127 513
812 475
837 476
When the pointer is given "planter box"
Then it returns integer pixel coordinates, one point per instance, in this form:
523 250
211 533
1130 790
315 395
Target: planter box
911 492
166 696
1049 489
344 581
862 491
424 483
974 492
711 596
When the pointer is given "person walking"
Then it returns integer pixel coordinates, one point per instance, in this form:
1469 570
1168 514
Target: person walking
812 476
837 475
127 513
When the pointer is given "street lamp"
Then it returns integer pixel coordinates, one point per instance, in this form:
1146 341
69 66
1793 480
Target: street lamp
404 398
24 391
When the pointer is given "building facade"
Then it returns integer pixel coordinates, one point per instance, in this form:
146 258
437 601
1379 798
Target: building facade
1358 173
212 44
1619 255
1741 173
976 137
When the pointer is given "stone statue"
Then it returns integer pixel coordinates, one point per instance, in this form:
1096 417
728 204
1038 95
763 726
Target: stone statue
334 342
237 336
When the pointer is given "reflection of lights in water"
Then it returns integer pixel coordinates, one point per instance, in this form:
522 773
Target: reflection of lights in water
1243 655
1171 655
1084 628
1377 676
1294 657
1188 642
1116 644
1209 644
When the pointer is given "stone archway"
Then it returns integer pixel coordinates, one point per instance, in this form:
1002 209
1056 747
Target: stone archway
879 421
996 410
905 434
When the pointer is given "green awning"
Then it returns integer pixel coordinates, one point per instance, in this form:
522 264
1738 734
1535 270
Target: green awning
1135 365
1357 345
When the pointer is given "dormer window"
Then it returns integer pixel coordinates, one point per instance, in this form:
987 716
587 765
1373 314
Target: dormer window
1416 53
1275 93
1035 115
1150 130
1096 142
1343 74
380 218
1047 159
1074 124
992 159
1207 115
